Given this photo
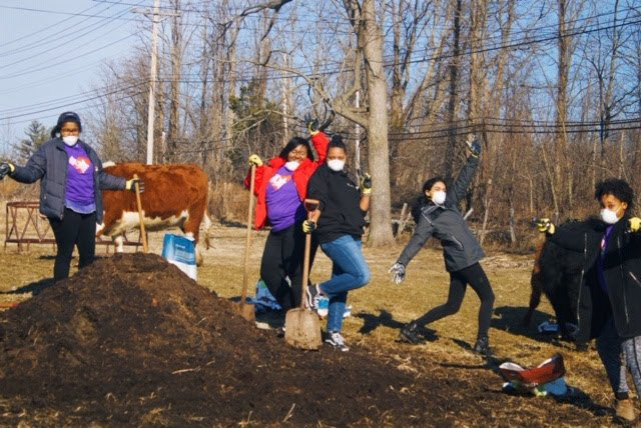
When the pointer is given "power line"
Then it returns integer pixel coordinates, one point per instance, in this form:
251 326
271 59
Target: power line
28 71
75 36
41 30
72 103
57 12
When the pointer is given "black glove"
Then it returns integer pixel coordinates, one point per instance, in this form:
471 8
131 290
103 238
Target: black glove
6 168
309 226
312 124
131 185
366 184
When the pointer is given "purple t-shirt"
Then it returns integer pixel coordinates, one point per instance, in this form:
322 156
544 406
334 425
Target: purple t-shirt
284 207
79 195
601 261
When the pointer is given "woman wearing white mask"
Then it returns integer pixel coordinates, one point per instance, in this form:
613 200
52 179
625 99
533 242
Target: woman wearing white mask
338 224
70 190
281 188
437 214
610 292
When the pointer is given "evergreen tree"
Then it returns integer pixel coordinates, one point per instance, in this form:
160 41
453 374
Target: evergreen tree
36 134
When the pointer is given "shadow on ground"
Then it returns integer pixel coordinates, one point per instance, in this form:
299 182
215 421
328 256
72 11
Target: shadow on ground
34 288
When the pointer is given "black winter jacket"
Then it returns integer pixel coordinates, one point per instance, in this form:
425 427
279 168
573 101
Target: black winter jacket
339 198
622 272
461 249
50 164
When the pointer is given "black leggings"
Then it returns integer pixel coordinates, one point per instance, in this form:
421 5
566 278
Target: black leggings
74 229
283 257
475 277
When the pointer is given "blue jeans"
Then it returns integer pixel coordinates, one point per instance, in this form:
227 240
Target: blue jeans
349 271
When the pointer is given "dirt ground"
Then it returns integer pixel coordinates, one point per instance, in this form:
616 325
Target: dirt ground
132 342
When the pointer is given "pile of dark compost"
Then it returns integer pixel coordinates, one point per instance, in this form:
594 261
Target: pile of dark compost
132 341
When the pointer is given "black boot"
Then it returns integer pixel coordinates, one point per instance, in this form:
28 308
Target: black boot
482 346
409 334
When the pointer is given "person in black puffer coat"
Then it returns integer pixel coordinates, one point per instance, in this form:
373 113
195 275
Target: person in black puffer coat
610 286
439 216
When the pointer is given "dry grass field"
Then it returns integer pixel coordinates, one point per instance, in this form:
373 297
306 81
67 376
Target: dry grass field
381 308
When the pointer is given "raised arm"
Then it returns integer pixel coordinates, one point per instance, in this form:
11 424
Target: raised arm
321 143
464 179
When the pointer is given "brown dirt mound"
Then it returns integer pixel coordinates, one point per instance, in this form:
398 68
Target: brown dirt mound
131 341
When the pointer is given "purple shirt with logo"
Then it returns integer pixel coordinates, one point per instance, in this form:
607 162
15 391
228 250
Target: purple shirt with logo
284 207
79 195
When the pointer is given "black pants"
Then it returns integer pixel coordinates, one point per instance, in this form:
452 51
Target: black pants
475 277
74 229
283 257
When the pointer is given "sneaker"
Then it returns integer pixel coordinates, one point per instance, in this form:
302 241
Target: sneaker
482 346
316 300
336 340
625 410
312 292
348 312
322 305
409 334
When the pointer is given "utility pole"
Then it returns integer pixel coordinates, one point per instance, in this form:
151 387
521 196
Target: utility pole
151 109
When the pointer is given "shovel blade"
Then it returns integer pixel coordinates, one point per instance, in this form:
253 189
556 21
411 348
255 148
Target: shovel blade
303 329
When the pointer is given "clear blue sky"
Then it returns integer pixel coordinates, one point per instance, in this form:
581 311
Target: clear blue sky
51 56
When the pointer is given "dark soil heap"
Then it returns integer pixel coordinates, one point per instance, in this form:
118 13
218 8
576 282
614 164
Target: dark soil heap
132 341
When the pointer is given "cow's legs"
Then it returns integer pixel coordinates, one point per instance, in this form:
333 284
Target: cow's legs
119 241
199 256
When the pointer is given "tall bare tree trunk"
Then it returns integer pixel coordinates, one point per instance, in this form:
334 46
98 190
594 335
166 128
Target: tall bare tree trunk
381 219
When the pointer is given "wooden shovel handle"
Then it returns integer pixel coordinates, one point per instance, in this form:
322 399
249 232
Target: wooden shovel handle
310 206
250 215
145 245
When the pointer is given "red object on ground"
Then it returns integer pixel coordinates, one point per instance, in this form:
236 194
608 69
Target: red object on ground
548 371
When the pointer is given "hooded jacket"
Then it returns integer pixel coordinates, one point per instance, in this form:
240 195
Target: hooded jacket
445 222
50 165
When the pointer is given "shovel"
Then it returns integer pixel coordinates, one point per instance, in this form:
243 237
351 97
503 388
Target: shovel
302 324
145 246
247 311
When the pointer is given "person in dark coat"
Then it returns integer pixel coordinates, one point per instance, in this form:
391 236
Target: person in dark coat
437 214
610 286
71 180
338 225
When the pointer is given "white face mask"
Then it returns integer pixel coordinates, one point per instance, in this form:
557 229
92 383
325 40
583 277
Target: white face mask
292 165
609 216
438 197
70 140
336 164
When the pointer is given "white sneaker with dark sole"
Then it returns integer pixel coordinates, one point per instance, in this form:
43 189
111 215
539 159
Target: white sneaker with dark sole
336 340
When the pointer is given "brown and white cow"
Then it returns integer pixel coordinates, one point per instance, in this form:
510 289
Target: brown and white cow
175 195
